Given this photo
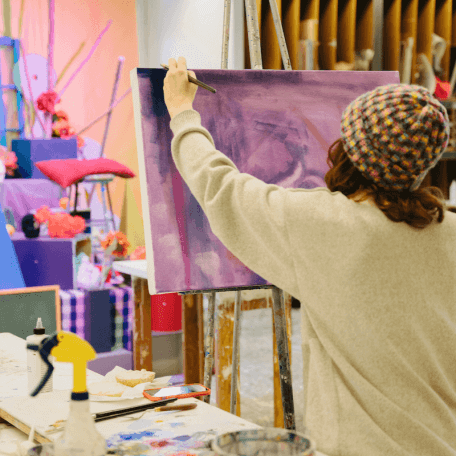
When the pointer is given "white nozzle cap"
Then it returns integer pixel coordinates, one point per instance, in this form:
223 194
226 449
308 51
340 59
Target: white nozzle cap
39 324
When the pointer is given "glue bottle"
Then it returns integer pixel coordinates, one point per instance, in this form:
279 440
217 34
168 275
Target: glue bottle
36 367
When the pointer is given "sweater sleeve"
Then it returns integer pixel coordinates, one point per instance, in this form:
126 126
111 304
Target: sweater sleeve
246 214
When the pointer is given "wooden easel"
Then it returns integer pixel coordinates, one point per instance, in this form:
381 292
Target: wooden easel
277 295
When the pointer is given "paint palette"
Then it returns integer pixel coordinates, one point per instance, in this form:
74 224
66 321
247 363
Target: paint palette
159 442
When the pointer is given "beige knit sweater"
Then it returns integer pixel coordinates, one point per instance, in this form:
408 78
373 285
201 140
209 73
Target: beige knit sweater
378 301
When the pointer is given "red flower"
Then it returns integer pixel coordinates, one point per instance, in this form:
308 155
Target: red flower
442 89
47 101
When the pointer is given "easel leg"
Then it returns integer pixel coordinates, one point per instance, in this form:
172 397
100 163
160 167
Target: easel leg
209 346
284 359
142 334
235 364
224 344
193 348
278 403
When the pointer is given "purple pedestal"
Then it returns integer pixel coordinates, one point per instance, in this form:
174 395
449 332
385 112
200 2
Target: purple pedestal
47 261
30 151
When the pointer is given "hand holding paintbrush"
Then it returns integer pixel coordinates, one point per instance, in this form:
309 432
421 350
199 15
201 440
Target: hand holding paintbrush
180 86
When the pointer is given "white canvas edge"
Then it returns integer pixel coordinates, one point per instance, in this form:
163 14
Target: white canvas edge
143 182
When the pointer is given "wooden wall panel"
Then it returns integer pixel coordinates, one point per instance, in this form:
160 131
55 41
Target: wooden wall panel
309 25
364 25
328 34
392 35
453 38
291 11
346 31
270 49
426 21
443 28
409 24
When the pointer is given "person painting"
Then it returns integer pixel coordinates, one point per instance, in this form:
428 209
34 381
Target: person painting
371 258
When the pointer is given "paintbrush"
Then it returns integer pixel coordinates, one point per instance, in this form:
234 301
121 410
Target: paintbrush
195 81
178 408
102 416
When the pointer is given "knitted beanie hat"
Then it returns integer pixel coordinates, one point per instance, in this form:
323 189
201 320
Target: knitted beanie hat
395 134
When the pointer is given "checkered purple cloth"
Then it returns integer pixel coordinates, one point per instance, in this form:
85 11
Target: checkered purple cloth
73 315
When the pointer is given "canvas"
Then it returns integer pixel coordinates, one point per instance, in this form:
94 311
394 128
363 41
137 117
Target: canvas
274 125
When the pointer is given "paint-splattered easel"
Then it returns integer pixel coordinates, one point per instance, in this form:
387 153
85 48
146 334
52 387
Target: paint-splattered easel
277 295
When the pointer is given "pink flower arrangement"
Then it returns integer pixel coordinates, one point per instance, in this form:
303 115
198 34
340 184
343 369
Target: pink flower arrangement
61 224
61 128
122 243
139 253
9 159
46 101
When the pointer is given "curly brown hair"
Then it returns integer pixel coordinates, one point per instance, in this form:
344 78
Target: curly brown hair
418 209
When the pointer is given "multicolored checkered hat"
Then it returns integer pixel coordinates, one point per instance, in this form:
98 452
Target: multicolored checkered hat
395 134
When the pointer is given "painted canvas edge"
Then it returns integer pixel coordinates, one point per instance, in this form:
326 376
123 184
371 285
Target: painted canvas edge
143 181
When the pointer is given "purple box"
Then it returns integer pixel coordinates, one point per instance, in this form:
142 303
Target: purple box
99 320
30 151
49 261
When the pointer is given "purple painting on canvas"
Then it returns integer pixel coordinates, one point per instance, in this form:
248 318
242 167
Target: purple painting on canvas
274 125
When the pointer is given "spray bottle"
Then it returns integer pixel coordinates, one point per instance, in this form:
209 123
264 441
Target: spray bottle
80 436
36 368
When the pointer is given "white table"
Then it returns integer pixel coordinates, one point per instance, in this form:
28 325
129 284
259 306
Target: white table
13 384
135 268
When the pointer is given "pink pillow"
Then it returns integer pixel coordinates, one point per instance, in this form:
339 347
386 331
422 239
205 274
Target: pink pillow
67 172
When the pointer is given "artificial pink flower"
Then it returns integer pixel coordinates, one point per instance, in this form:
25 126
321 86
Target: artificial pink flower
63 202
47 101
63 225
122 243
61 115
139 253
42 214
81 141
9 159
61 128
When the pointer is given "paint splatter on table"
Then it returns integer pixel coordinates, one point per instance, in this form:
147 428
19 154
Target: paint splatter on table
174 433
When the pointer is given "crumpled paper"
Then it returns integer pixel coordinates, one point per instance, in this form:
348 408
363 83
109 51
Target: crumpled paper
129 393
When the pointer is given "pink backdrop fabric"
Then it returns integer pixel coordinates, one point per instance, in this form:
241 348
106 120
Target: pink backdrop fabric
274 125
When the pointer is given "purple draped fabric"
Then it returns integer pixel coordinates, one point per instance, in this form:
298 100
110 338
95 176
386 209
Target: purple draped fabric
25 195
